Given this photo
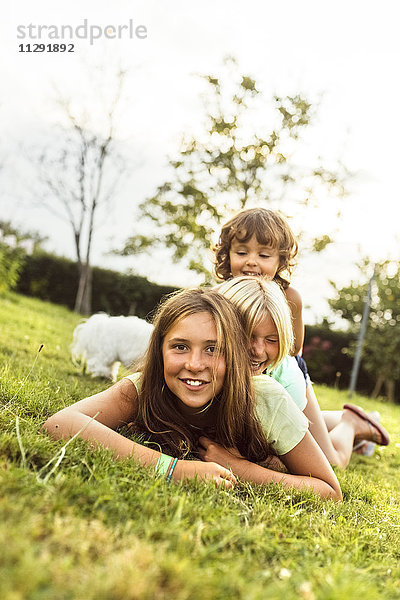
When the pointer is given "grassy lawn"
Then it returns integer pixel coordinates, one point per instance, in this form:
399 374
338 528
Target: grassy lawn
94 528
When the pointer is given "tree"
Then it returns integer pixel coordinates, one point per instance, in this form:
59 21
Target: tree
14 245
381 357
229 167
79 175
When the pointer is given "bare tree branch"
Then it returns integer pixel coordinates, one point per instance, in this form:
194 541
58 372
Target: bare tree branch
75 178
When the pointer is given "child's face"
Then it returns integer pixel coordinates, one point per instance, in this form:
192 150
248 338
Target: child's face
252 258
192 371
264 345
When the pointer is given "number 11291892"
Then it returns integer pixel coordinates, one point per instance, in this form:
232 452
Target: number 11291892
46 48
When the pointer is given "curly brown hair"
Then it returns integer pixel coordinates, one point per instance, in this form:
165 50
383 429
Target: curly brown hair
270 229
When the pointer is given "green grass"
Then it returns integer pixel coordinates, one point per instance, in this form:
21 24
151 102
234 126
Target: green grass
96 528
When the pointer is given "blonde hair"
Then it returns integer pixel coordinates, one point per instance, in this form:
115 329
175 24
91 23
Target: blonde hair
270 228
257 298
233 409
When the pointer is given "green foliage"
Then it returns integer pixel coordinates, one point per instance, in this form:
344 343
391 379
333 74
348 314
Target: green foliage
321 243
7 229
11 260
102 529
382 341
233 164
55 279
12 255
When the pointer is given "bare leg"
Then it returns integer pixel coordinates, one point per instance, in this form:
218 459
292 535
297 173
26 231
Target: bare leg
361 431
337 444
319 431
331 417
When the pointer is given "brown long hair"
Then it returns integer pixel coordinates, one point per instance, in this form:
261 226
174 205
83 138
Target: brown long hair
236 423
270 229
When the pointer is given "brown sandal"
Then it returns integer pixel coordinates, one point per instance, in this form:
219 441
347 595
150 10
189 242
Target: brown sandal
383 439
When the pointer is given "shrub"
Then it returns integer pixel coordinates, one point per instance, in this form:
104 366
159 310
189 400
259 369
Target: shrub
328 357
11 262
55 279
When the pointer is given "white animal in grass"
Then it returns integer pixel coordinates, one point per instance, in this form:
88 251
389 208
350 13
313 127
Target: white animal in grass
103 342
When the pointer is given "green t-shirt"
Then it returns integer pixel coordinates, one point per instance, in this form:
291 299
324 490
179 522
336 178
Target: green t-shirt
290 376
283 422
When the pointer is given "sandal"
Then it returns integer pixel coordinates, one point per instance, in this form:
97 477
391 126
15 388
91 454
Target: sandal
364 447
383 438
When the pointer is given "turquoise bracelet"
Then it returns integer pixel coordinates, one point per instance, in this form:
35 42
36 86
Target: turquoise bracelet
163 463
172 470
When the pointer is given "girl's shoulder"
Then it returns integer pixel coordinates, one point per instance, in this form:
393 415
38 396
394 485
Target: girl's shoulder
265 384
283 422
287 366
288 374
271 392
136 379
293 296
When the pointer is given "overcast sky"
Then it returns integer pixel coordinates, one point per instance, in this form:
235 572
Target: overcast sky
345 53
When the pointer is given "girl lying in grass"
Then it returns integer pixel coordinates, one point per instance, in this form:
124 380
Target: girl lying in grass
196 392
267 320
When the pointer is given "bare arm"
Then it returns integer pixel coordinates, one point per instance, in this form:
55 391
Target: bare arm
100 415
96 418
296 306
308 467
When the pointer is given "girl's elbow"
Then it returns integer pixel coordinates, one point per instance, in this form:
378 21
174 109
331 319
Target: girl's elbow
50 426
339 495
53 425
335 493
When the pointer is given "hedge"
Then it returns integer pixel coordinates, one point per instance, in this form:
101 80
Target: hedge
55 279
329 361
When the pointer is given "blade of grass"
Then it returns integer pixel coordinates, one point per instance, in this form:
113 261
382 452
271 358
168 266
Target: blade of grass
57 458
21 447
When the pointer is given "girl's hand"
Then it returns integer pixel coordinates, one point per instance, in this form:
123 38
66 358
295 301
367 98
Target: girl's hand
211 451
189 469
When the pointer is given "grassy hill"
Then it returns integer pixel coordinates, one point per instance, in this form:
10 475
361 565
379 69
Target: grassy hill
90 527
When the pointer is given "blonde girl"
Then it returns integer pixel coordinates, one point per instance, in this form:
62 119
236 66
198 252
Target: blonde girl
195 392
267 322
